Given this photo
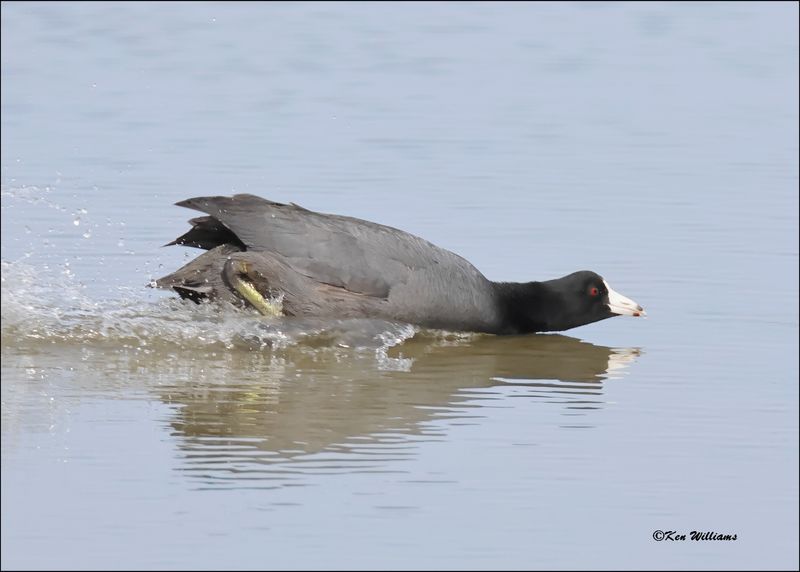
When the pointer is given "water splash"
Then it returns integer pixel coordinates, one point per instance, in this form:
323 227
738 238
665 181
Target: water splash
32 194
40 306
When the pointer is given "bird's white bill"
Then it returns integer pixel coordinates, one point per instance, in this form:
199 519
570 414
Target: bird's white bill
621 305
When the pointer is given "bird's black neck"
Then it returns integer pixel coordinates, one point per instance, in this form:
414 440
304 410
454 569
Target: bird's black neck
525 307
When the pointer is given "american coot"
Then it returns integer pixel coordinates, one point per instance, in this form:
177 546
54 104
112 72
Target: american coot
324 265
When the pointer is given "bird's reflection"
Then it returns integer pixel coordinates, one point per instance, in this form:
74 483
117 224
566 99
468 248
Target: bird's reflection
261 416
295 411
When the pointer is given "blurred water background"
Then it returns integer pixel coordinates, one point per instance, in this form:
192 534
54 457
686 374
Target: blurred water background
656 144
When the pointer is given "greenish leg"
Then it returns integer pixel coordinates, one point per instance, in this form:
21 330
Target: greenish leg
237 271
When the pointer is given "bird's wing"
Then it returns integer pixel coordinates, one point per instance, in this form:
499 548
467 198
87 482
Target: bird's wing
345 252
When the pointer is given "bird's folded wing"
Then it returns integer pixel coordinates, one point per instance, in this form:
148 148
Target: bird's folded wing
345 252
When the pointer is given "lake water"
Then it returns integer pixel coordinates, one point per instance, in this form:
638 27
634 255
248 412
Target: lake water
652 143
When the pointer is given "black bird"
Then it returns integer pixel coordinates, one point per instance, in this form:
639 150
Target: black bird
336 266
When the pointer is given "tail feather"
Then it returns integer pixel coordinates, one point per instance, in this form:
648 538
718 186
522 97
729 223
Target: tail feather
207 233
201 277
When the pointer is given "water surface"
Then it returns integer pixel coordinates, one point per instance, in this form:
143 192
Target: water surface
654 144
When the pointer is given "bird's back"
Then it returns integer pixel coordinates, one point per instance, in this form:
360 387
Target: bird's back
416 281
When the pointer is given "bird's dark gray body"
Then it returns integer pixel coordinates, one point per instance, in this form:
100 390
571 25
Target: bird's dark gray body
330 265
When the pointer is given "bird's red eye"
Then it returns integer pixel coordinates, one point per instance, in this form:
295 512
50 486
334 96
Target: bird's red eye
593 291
